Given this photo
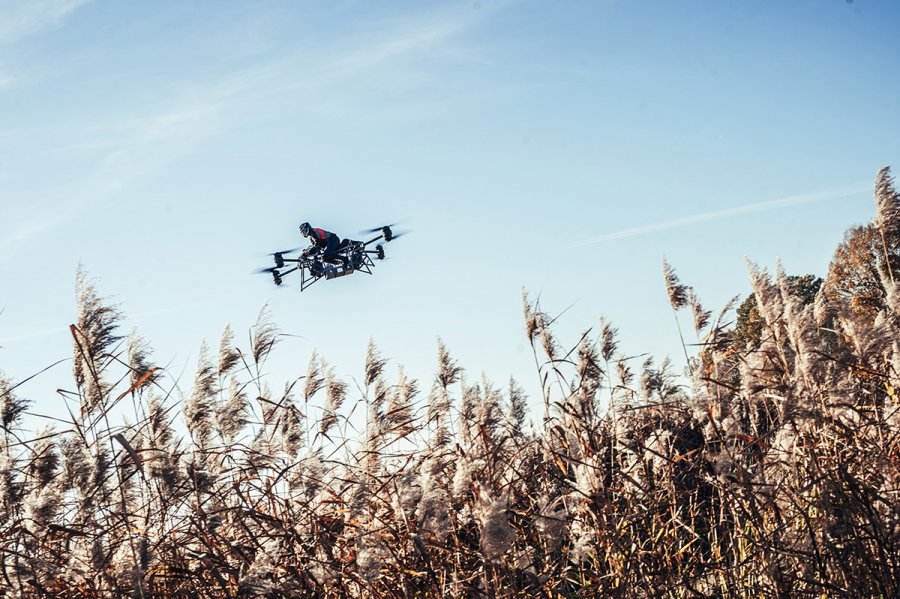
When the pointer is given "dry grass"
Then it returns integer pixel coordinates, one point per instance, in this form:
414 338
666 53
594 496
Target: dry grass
775 474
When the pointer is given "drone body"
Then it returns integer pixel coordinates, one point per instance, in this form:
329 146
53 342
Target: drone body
353 256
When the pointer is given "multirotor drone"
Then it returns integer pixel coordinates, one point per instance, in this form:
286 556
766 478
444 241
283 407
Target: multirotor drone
350 256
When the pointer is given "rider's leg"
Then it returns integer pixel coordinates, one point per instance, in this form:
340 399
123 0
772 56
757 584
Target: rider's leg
330 254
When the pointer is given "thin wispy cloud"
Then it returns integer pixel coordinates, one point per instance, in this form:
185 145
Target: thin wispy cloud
22 18
139 145
714 215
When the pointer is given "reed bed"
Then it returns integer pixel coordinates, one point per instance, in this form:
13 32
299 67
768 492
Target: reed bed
768 469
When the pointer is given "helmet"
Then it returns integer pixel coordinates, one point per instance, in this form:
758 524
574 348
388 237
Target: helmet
305 229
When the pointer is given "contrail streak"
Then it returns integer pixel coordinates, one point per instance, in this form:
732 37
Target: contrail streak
684 221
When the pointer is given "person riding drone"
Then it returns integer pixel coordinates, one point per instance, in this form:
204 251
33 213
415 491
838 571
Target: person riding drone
325 242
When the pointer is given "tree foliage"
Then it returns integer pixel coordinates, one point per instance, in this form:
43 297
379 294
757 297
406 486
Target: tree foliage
866 262
750 323
853 275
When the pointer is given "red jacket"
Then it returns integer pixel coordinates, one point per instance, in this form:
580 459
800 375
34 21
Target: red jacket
320 237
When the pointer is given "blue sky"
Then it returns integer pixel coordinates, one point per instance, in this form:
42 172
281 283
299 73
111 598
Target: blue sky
564 147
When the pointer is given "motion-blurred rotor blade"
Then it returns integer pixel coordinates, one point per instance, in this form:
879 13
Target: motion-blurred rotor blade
276 276
290 251
377 229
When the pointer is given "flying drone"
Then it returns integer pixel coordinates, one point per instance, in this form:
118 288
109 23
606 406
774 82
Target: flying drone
350 256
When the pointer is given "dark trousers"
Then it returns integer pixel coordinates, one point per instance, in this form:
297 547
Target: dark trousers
329 252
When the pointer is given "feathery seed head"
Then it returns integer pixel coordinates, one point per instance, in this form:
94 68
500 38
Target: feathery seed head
374 363
231 416
623 371
10 485
588 368
139 361
93 335
44 463
229 355
551 521
497 536
608 343
701 316
887 203
11 407
400 403
531 325
432 512
438 402
198 409
265 335
335 393
677 292
548 342
448 372
314 379
517 407
293 428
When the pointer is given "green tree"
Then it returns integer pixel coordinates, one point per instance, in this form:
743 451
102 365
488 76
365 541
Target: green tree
749 325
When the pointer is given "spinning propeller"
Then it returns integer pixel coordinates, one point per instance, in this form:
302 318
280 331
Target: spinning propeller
279 260
377 229
386 232
290 251
272 271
